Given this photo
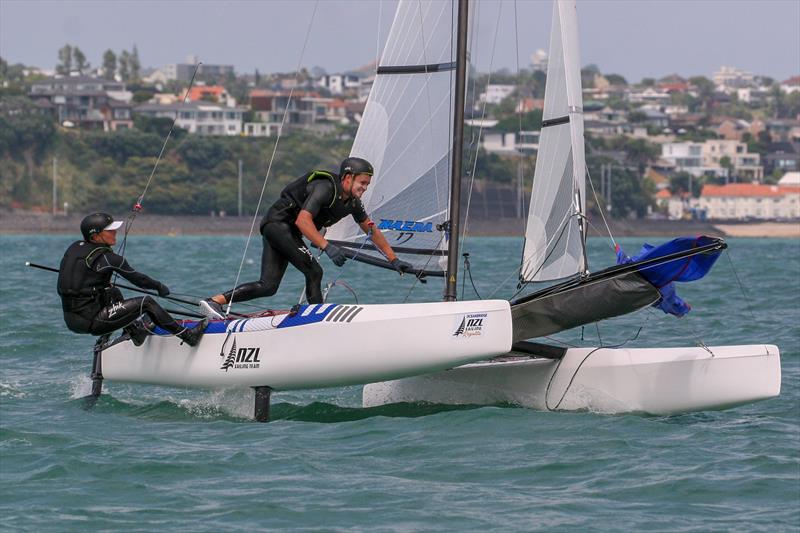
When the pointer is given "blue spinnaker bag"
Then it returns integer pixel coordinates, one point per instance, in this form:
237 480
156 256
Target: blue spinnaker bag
663 275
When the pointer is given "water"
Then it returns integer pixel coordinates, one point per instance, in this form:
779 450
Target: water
151 458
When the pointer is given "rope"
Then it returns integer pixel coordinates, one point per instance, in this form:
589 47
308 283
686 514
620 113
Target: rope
575 374
747 299
272 158
424 267
138 205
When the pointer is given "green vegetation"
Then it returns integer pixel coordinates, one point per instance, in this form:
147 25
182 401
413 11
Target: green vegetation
196 175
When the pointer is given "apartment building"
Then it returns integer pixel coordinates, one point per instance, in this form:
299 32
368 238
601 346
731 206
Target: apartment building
86 102
201 118
706 158
742 201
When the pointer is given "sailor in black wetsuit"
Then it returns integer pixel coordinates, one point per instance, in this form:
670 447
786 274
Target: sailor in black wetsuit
93 305
318 199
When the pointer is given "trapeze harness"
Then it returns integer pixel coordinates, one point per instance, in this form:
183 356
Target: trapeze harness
319 192
91 304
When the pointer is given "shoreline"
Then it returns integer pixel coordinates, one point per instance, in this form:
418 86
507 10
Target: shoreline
26 222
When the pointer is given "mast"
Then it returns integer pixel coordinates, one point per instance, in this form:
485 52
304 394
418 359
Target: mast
458 135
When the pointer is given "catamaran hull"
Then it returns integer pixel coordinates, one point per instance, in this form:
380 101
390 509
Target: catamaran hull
658 381
322 345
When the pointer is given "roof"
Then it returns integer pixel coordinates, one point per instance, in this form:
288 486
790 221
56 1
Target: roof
197 93
790 179
794 80
748 190
663 193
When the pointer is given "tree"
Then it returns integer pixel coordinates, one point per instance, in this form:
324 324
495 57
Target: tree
726 163
64 60
683 182
124 64
134 64
109 64
79 59
531 121
587 75
648 82
616 79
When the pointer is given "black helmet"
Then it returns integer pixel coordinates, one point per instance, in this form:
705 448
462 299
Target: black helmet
355 166
97 222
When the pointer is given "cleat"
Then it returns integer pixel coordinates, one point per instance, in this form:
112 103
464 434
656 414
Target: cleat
212 309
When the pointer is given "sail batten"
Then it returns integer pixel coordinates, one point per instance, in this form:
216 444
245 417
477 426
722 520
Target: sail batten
554 247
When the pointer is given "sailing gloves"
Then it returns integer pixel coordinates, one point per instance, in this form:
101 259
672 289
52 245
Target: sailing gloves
336 254
401 266
163 290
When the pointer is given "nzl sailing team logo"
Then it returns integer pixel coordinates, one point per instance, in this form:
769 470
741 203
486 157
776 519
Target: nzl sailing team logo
471 325
241 358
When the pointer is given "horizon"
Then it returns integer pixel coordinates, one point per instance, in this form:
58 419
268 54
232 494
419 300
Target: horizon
243 34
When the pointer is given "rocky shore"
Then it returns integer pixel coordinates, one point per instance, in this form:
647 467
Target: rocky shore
26 222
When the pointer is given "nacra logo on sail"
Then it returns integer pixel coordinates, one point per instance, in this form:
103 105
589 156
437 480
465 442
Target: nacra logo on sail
406 225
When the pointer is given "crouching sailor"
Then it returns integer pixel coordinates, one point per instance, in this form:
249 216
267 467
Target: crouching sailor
93 305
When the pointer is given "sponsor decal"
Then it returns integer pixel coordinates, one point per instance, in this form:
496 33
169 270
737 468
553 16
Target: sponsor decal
406 225
306 251
470 325
118 306
241 357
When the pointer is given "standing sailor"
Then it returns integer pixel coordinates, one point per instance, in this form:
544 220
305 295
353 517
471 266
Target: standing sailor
316 200
93 305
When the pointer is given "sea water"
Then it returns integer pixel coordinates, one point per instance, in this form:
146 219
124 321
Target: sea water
149 458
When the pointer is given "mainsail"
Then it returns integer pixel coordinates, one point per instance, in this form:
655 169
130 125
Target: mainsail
406 134
554 235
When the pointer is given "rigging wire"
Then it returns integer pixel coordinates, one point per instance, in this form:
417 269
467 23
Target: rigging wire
480 133
600 207
521 159
747 298
272 157
140 201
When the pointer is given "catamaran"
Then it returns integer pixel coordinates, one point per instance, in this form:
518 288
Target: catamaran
412 133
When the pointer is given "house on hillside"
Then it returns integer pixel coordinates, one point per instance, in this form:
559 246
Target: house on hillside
496 93
201 118
706 158
210 93
783 157
792 85
743 201
86 102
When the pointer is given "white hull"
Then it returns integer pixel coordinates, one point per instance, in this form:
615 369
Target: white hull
643 380
322 346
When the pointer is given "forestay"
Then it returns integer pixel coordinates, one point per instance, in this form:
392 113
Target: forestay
554 237
406 134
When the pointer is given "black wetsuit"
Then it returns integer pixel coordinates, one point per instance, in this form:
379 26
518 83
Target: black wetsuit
89 301
319 193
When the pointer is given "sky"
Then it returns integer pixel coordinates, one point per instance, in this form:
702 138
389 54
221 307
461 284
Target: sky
634 38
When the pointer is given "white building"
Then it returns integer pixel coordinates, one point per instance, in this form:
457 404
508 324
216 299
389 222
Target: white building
731 78
739 201
745 165
705 158
202 118
261 129
496 93
339 83
539 60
